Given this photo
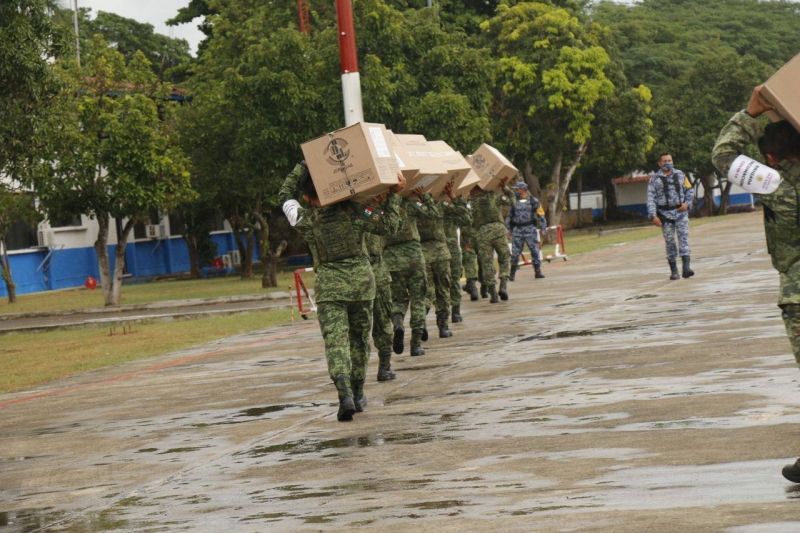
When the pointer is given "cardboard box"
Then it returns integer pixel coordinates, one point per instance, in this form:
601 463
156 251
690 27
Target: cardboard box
492 167
781 91
407 165
457 167
468 184
431 169
351 163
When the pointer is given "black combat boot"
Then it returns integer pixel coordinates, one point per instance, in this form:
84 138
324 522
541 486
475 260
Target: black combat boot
444 330
346 404
472 290
385 367
399 332
359 398
425 335
792 472
484 291
673 266
538 270
513 273
456 316
503 292
416 344
687 269
493 299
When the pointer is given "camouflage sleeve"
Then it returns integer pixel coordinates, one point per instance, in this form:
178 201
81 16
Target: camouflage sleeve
385 220
458 212
540 215
651 198
425 207
741 130
506 197
688 190
508 219
290 190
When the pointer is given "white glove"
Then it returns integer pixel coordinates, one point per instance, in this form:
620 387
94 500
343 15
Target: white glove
290 209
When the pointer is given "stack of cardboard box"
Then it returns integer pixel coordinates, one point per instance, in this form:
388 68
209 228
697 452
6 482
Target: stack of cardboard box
780 91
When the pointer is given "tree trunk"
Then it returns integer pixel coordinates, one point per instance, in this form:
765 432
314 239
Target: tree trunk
194 261
5 267
580 191
119 262
244 243
610 207
560 184
532 180
104 265
269 258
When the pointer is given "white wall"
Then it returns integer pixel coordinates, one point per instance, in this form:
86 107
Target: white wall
589 200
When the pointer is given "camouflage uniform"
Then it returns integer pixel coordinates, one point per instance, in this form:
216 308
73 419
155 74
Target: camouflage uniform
781 222
521 222
664 195
455 215
469 259
290 192
490 234
345 283
406 264
437 263
382 307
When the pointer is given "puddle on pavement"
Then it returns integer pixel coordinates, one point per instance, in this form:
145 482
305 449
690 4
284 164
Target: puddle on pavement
313 446
45 518
642 297
184 450
444 504
261 411
578 333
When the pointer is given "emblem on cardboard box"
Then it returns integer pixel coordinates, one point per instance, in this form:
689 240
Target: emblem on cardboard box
337 151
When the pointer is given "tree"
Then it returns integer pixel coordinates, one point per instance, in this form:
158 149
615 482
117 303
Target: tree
552 78
112 153
15 206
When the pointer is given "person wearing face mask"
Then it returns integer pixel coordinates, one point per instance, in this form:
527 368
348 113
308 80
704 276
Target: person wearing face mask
669 199
779 144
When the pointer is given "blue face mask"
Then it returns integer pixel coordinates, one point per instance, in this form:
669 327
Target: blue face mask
666 167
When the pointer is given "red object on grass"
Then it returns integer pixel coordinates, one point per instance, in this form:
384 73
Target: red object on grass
91 283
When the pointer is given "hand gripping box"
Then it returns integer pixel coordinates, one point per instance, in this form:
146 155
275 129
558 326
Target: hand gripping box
431 169
351 163
457 167
781 91
492 167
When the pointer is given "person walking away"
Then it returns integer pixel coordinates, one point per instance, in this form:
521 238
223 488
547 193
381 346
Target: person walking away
345 284
669 199
521 221
488 221
456 213
779 144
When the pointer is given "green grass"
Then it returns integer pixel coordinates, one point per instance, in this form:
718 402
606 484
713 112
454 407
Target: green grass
142 293
28 359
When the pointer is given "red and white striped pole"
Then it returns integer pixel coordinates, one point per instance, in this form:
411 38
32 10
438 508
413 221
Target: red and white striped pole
351 80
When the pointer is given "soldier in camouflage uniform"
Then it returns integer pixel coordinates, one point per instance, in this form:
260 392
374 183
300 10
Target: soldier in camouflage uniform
455 214
487 219
669 199
469 260
381 307
521 222
779 144
345 284
437 269
406 264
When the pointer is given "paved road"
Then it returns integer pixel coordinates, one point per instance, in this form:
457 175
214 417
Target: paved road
603 398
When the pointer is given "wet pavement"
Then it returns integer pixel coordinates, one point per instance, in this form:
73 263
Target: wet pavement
602 398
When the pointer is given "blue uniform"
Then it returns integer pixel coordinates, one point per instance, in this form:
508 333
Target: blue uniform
521 222
664 195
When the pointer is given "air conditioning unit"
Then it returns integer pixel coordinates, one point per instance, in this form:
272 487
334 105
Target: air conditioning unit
236 258
226 261
46 238
155 231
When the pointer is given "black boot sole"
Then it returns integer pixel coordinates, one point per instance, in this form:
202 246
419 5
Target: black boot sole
389 376
687 276
503 295
398 341
424 334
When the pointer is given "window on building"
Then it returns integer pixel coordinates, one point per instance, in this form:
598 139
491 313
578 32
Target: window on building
69 221
219 221
140 228
22 236
176 224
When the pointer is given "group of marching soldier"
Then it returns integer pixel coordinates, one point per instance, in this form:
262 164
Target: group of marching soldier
375 262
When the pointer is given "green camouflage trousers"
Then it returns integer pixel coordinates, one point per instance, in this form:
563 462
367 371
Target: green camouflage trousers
408 288
439 283
382 319
345 329
469 259
791 319
493 238
455 273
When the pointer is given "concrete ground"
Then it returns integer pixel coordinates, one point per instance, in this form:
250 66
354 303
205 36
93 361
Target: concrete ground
603 398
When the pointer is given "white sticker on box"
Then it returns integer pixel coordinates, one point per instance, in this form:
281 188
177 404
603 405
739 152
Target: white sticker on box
380 142
427 180
753 177
399 161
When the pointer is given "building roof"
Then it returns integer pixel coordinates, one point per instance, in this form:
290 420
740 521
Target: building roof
635 178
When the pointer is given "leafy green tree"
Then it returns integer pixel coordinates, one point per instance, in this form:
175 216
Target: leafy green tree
552 78
112 153
15 205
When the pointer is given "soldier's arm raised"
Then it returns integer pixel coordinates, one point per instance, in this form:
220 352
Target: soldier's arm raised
290 192
741 130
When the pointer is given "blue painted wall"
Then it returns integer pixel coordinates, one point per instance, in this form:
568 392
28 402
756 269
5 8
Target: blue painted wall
69 267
